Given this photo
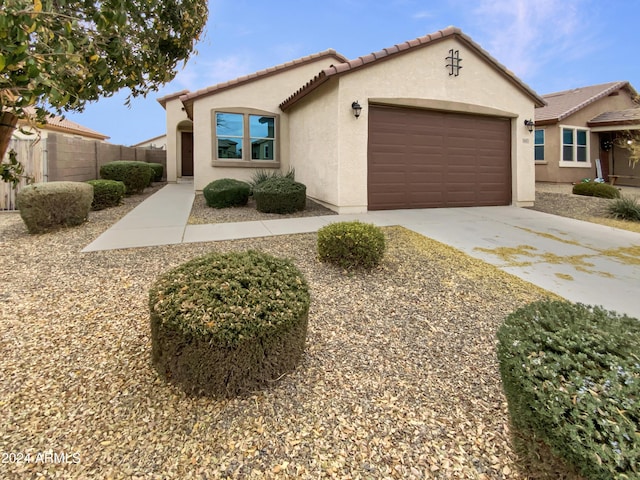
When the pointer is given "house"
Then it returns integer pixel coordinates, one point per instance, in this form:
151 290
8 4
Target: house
577 127
159 142
58 125
432 122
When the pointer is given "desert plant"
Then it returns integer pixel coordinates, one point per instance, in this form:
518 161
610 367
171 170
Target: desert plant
593 189
49 206
136 176
158 171
571 375
280 195
625 208
106 193
226 192
259 176
226 324
351 244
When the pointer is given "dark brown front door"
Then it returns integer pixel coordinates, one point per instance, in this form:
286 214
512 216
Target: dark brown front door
187 154
425 158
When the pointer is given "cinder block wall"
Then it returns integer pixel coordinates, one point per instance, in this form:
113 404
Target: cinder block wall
78 160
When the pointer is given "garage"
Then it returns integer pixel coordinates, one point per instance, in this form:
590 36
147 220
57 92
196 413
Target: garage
427 159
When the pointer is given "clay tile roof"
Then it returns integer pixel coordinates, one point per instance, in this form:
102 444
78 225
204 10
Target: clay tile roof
164 100
188 98
366 60
630 116
64 125
562 104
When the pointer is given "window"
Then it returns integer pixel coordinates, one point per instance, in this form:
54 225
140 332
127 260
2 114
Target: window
235 130
575 147
539 146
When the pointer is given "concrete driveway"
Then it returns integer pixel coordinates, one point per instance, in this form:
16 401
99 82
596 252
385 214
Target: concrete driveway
580 261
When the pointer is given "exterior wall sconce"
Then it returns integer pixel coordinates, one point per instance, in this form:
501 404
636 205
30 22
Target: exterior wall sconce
357 109
529 124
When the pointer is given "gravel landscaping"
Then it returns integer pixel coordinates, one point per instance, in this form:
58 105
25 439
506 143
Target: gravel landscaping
399 378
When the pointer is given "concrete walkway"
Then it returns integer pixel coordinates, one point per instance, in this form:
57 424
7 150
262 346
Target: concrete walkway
581 261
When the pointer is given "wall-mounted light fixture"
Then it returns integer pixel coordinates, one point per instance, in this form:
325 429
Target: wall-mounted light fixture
529 124
357 109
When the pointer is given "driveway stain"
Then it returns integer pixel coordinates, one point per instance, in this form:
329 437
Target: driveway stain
564 276
550 236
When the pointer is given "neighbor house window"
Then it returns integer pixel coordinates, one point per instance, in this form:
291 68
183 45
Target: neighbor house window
539 146
245 136
575 147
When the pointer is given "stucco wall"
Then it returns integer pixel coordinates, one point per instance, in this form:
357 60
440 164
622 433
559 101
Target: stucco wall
418 78
265 94
314 146
551 170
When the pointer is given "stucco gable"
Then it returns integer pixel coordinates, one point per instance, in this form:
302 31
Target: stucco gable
406 47
189 98
561 105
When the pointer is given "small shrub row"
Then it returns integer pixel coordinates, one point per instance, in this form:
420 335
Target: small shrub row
625 208
49 206
351 244
106 193
226 324
226 192
571 375
158 171
136 176
280 195
593 189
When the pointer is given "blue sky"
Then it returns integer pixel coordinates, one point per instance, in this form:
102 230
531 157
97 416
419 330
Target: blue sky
551 45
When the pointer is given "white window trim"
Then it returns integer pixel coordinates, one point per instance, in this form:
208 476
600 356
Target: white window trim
544 152
246 160
575 163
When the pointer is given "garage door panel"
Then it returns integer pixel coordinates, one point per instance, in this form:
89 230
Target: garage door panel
422 158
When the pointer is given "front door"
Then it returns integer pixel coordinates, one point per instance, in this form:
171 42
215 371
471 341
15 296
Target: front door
187 154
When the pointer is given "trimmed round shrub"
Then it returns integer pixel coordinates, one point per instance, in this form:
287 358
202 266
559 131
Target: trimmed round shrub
593 189
625 208
106 193
280 195
49 206
351 244
136 176
226 324
226 192
571 375
158 171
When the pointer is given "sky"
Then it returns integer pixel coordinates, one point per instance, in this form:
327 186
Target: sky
551 45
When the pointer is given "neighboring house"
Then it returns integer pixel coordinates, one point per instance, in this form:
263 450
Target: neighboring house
159 142
57 125
582 125
441 124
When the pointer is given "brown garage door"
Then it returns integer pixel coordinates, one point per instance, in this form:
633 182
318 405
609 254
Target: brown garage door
426 158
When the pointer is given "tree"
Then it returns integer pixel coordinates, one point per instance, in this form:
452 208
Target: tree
57 55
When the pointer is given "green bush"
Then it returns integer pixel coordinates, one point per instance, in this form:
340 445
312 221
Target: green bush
571 375
226 324
226 192
351 244
106 193
625 208
158 171
593 189
261 176
280 195
136 176
49 206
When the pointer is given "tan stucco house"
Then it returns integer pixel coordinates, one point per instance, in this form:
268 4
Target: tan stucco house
583 126
441 123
